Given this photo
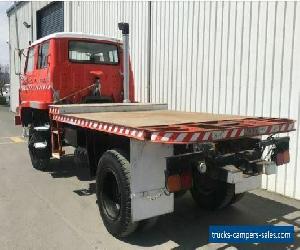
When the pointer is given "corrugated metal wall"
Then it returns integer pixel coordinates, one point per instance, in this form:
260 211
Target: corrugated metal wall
223 57
26 12
230 57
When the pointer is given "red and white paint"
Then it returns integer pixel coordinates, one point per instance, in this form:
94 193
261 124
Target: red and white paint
179 137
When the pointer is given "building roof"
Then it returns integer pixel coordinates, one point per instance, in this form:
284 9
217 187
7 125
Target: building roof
78 35
13 7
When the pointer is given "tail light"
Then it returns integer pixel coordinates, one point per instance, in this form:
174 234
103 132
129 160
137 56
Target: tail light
186 179
180 181
281 154
174 183
282 157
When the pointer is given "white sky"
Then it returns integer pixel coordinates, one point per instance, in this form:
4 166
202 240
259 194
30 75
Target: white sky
4 59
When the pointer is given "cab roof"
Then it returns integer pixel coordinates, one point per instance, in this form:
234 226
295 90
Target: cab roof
77 35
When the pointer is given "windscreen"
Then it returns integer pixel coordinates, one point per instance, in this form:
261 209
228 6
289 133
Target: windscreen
92 52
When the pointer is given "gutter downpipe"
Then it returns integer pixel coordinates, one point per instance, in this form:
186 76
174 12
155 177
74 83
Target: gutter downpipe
31 22
17 39
149 51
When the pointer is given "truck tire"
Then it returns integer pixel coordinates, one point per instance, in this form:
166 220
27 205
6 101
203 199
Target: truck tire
212 194
237 198
81 157
40 158
113 193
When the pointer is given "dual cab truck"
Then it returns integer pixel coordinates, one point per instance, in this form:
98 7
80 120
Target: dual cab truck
78 90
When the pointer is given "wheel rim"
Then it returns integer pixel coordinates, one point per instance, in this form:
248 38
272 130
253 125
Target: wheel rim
111 196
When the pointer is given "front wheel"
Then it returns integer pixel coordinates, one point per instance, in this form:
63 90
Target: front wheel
113 193
40 157
212 194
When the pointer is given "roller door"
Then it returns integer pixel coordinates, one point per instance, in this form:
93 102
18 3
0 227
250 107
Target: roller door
50 19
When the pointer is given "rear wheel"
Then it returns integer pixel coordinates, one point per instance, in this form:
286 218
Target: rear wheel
237 198
212 194
81 157
40 157
113 193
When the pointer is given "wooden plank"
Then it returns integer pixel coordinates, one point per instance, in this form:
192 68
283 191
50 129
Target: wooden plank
138 119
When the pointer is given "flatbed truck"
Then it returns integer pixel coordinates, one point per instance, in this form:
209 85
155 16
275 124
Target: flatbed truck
142 155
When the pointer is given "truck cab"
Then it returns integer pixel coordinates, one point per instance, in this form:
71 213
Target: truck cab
71 68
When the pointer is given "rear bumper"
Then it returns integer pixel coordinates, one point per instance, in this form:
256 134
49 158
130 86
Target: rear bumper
241 182
244 182
248 183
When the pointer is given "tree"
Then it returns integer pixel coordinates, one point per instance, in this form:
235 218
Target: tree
4 76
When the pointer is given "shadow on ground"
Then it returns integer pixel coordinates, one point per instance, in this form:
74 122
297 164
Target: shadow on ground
188 225
66 168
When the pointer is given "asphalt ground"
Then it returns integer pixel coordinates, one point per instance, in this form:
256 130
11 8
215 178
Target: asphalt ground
57 209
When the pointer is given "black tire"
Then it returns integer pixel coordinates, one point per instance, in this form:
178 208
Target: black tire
237 198
40 158
113 193
212 194
81 157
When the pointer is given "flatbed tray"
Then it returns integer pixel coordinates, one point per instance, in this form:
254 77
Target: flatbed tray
143 122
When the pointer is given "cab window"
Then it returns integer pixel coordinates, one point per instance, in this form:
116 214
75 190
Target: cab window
43 55
92 52
30 60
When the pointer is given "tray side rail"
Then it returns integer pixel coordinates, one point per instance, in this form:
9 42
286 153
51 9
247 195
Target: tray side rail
186 133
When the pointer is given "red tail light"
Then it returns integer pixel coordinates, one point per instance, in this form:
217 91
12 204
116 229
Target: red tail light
186 179
180 181
282 158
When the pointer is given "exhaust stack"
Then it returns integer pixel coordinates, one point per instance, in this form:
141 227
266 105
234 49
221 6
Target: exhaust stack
124 27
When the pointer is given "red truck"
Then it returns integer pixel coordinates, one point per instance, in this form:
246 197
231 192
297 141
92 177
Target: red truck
78 90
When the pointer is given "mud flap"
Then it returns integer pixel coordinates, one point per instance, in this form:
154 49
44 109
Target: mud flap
149 197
